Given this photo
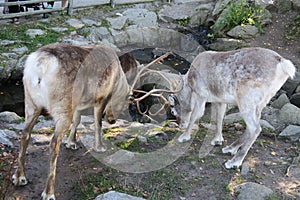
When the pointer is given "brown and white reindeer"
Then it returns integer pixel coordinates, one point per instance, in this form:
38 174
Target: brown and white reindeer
130 67
65 79
248 77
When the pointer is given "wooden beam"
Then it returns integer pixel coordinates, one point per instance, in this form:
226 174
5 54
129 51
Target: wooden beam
21 14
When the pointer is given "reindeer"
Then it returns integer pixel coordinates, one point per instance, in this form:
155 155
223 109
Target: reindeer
65 79
130 67
248 77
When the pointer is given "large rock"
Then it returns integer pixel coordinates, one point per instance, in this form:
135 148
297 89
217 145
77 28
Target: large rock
10 117
291 132
232 118
291 85
220 6
280 101
141 17
76 23
250 191
117 22
243 32
112 195
226 44
290 114
196 12
295 99
7 71
6 135
32 33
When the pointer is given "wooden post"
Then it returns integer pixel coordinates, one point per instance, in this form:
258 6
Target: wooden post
70 7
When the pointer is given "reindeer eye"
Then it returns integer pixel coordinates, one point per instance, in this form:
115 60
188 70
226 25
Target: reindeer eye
173 112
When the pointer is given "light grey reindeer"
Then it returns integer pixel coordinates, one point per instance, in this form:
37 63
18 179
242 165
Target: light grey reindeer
248 77
65 79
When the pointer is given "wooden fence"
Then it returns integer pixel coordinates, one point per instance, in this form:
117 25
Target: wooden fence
71 5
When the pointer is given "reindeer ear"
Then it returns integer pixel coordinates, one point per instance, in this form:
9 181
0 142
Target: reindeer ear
172 99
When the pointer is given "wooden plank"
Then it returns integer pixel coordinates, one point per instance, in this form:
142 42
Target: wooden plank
21 14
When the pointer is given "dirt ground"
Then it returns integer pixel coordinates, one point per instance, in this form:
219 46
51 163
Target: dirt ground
272 162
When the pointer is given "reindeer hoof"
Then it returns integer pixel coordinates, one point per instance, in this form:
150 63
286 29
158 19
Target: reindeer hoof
71 145
19 181
44 196
100 149
184 138
216 142
229 150
232 165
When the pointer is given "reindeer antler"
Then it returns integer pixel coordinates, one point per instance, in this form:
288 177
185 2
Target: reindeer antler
154 92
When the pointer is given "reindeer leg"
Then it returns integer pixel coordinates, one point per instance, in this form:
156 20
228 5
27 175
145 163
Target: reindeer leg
221 109
251 118
31 115
99 145
198 111
61 126
71 141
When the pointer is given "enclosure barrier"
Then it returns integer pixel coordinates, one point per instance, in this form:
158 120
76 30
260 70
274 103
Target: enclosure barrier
69 8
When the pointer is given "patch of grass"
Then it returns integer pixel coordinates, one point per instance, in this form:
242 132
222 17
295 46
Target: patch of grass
239 13
273 197
17 33
294 30
161 184
183 22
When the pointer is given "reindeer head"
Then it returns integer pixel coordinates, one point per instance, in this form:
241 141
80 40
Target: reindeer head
181 106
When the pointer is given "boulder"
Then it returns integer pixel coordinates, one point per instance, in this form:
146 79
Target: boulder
20 50
195 13
290 114
291 132
6 72
250 191
243 32
141 17
265 124
75 23
6 135
117 23
264 3
10 117
226 44
295 99
291 85
280 101
112 195
90 22
32 33
219 7
232 118
6 42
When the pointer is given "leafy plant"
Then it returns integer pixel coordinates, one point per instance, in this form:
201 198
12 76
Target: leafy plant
183 22
238 13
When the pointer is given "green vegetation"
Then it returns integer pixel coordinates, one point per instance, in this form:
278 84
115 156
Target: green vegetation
183 22
17 33
294 30
161 184
239 13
